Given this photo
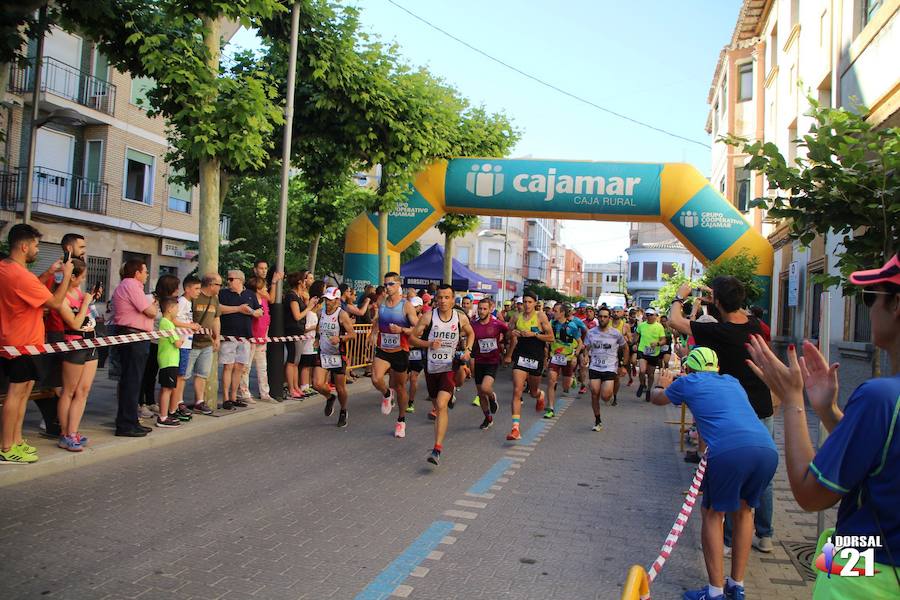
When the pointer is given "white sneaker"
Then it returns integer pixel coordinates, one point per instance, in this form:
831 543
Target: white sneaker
400 430
763 544
144 412
387 403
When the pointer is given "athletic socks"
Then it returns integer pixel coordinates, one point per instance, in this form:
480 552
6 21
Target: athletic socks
597 419
387 394
437 448
715 592
401 419
516 419
729 582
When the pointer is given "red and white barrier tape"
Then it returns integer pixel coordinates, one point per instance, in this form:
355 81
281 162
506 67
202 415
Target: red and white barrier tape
680 521
128 338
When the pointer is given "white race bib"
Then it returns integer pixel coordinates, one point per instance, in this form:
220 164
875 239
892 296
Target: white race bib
527 363
602 363
487 345
440 361
390 341
559 359
330 361
415 354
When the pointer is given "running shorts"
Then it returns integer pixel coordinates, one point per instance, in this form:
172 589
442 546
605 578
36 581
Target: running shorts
567 370
482 371
416 366
399 360
309 360
602 375
440 382
530 364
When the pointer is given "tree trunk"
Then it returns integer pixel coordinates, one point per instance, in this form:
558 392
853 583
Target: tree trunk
448 260
224 186
210 199
314 251
382 245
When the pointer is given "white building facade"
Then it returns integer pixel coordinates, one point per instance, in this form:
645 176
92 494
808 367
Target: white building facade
647 264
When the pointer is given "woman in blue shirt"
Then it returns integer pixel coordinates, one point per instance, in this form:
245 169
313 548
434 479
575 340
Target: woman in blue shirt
858 465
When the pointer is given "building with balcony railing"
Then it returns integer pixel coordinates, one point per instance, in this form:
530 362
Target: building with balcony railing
106 178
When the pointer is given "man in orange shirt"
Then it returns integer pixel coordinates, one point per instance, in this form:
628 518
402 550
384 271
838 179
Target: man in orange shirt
22 301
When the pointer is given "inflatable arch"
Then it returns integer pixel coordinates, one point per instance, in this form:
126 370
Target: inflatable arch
674 194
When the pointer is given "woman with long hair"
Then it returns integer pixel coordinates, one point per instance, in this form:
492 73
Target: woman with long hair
297 305
79 366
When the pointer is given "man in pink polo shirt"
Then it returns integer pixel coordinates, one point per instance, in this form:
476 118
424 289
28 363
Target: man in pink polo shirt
134 312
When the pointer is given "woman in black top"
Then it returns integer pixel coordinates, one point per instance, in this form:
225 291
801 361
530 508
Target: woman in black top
296 306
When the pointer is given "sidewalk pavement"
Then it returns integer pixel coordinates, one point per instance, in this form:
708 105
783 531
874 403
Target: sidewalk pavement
98 425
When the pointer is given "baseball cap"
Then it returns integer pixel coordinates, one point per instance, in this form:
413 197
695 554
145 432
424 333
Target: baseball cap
332 293
702 359
518 300
650 311
618 307
416 301
889 273
469 296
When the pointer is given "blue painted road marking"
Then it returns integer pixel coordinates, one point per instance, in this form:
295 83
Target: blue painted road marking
396 572
534 431
483 485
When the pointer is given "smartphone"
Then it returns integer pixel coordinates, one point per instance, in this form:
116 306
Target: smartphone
65 256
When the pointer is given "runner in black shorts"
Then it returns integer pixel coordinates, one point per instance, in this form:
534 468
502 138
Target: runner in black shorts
530 335
490 333
603 343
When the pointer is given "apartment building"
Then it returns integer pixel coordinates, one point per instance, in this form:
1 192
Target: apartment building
573 274
603 278
650 262
104 174
540 235
843 53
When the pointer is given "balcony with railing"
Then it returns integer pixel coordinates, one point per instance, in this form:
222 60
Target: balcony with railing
225 227
64 81
52 188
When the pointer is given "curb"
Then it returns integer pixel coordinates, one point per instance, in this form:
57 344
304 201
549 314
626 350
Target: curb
106 446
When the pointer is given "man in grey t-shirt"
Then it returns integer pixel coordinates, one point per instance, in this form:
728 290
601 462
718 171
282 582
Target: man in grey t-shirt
603 343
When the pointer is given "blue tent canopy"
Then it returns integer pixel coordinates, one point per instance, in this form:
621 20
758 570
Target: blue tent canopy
428 268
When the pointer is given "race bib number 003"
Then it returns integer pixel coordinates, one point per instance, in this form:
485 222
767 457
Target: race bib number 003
559 359
487 345
527 363
440 361
330 361
390 341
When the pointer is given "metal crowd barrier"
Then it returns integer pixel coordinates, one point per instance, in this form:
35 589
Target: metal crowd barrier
359 352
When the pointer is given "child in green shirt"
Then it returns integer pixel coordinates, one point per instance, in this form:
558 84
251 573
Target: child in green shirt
167 355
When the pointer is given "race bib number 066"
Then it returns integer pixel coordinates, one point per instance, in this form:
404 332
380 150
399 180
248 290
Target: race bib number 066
390 341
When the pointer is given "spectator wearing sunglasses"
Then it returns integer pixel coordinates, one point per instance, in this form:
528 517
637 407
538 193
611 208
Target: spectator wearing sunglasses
858 465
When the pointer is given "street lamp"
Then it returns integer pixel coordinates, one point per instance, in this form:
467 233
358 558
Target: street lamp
505 236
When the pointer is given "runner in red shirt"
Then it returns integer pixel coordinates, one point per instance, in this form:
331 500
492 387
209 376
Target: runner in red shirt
490 336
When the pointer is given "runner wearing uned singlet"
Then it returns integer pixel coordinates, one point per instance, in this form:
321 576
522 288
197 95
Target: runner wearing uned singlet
335 328
603 343
618 322
390 334
416 363
530 333
490 333
445 327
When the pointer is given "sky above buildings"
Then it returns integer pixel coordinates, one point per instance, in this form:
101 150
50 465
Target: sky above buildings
651 61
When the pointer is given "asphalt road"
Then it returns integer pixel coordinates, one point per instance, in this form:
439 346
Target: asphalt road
292 507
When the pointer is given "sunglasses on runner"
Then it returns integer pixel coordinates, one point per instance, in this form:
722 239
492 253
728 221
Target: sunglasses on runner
390 283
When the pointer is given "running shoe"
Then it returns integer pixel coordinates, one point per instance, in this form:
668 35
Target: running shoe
25 447
15 456
203 409
69 443
387 402
549 414
342 419
434 457
647 396
400 429
180 417
432 415
734 591
451 402
240 403
228 405
540 403
329 405
144 412
410 407
493 404
167 423
182 408
515 434
615 401
640 390
476 401
582 390
486 424
82 439
598 426
297 395
702 594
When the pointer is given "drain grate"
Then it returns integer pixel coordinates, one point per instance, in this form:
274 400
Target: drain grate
801 555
